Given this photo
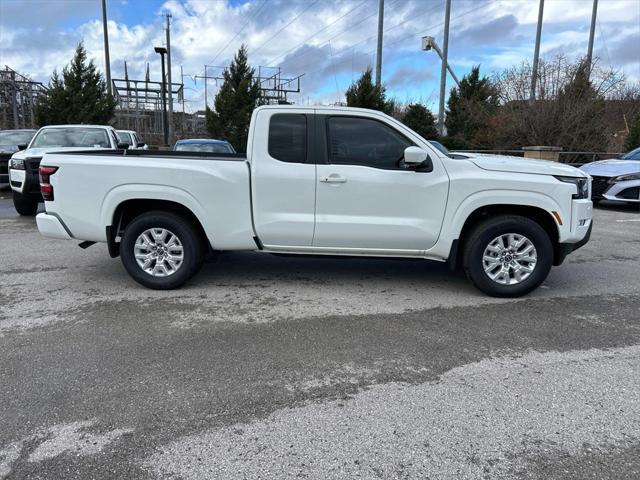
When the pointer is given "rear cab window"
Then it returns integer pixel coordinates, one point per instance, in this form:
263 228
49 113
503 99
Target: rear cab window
288 137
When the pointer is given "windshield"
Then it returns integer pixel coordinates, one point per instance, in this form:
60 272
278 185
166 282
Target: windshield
71 137
632 155
125 137
439 146
204 147
15 138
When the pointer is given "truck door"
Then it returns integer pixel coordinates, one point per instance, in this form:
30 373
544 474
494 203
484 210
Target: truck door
283 178
367 199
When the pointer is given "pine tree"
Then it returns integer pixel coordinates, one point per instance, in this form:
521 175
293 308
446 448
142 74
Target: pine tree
364 94
79 96
419 119
469 107
238 96
633 139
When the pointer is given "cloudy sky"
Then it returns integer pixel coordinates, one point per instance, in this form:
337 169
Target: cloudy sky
329 41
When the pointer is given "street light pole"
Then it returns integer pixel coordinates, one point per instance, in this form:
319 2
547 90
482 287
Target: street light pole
443 70
592 33
163 93
536 52
379 51
169 82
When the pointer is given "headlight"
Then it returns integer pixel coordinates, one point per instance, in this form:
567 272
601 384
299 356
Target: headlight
626 178
582 186
17 163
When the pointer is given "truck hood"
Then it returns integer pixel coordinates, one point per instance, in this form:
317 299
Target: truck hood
39 152
505 163
611 168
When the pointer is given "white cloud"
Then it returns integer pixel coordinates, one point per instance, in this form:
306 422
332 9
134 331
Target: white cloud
330 42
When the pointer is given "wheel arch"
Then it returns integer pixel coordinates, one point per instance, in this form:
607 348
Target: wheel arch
129 209
539 215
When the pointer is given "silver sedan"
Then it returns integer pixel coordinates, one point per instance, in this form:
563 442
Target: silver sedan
616 179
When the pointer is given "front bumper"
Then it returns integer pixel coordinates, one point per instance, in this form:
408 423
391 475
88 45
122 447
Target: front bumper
605 189
4 170
628 191
51 226
564 249
24 182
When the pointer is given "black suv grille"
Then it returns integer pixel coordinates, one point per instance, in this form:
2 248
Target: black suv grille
599 186
4 166
33 164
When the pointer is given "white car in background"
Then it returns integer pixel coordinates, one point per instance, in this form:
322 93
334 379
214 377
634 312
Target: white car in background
131 138
23 166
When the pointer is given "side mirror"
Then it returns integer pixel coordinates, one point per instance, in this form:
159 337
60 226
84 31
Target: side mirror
22 146
414 156
142 146
122 146
417 158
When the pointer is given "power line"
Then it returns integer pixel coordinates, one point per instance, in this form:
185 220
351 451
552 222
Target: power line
279 31
319 31
418 32
352 47
330 38
240 31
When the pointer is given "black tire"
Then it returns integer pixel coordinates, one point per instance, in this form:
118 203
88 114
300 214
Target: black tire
487 231
188 235
25 205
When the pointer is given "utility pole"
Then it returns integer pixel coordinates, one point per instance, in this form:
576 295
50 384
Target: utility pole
592 33
206 77
380 33
206 95
536 52
443 70
107 62
170 85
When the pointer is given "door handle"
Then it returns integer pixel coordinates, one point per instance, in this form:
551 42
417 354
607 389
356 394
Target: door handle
333 178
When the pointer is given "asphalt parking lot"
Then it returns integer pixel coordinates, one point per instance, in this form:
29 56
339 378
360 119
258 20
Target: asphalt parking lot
271 367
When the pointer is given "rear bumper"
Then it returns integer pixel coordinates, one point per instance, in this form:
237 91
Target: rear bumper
51 226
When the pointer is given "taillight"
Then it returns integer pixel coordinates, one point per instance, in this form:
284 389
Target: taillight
45 186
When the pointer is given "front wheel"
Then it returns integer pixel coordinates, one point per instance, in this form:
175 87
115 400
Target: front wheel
25 205
508 256
161 250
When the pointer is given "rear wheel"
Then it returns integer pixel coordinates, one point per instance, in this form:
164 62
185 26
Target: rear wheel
161 250
25 205
508 256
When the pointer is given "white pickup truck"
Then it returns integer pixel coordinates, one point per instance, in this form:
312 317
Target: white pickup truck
325 181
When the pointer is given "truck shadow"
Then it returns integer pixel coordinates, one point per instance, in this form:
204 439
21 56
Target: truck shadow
248 268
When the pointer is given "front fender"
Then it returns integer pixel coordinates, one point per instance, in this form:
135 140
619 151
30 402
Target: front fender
456 217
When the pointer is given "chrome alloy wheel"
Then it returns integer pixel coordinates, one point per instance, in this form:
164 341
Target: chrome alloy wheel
509 259
159 252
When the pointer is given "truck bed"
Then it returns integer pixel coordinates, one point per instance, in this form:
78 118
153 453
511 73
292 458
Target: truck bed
94 183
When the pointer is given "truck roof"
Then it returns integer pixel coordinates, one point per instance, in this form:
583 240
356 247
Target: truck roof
317 107
78 125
